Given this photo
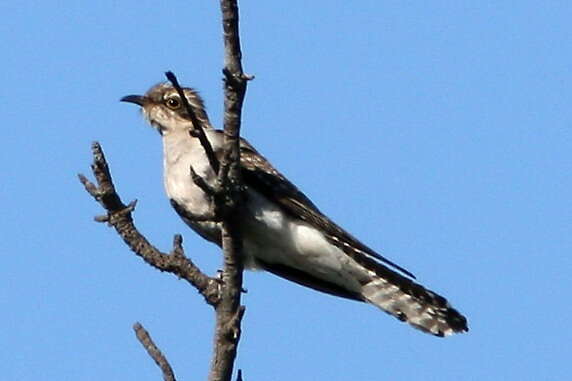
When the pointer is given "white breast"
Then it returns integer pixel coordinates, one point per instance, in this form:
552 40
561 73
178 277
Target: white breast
180 152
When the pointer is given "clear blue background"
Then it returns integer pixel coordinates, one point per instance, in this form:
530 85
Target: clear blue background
437 132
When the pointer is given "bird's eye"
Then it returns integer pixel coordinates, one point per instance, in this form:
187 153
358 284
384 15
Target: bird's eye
173 103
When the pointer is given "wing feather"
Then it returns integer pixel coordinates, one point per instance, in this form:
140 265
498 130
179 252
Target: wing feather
256 170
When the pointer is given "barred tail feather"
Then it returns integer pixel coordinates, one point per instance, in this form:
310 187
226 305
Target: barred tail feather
412 303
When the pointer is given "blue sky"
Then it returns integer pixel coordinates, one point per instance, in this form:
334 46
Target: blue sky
437 132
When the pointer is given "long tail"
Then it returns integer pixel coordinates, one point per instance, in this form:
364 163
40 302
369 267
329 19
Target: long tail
391 292
410 302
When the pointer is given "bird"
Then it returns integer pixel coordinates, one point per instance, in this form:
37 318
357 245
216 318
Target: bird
283 231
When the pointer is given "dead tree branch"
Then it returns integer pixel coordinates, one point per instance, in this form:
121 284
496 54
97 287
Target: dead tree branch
198 127
153 351
119 216
229 312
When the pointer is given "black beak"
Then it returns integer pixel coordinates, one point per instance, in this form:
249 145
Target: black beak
137 99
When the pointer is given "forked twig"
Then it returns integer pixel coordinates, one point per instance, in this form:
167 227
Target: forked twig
119 216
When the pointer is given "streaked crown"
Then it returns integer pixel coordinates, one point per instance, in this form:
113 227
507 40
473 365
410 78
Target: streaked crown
162 107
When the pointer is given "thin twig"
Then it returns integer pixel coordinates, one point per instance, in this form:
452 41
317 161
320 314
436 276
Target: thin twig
202 183
198 126
155 353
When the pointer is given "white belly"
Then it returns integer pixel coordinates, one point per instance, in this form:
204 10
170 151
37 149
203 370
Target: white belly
276 238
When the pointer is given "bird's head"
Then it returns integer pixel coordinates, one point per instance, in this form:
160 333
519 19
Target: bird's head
162 107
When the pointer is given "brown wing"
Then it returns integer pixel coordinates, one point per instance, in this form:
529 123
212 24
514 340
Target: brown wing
256 170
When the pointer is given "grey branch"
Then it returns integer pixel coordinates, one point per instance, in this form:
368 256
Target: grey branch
155 353
119 216
229 312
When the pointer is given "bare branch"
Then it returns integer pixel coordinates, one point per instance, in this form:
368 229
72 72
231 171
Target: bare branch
229 312
155 353
201 183
234 89
119 216
199 128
